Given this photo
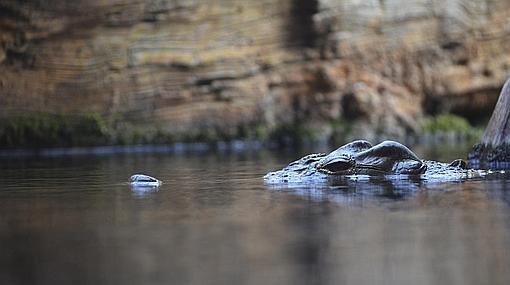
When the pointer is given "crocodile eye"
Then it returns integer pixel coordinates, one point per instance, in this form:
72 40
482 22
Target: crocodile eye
338 165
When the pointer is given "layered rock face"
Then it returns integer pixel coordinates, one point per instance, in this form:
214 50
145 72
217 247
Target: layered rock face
223 68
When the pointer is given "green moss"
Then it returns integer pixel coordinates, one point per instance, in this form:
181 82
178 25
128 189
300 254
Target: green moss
260 133
253 132
292 134
130 134
43 129
86 129
340 130
445 123
36 130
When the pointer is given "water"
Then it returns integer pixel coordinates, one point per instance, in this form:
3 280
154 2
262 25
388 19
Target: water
75 220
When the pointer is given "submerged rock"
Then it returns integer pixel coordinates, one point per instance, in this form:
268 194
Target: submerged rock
142 180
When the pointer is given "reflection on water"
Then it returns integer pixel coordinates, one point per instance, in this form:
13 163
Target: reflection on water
76 220
355 189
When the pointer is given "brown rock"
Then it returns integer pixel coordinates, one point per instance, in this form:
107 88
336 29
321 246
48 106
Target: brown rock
199 65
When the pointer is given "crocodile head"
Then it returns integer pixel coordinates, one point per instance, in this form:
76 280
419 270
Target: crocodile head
360 157
389 157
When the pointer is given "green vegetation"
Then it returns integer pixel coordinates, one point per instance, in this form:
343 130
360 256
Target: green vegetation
341 130
90 129
292 134
36 130
42 129
283 134
448 123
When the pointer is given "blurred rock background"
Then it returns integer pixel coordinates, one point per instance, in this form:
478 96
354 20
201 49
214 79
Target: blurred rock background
160 71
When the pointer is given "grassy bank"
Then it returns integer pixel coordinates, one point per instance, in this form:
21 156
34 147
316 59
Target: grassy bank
450 127
37 130
44 130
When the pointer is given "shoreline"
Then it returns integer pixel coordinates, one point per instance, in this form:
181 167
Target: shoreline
219 146
176 148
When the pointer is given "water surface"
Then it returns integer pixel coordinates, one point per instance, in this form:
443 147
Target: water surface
75 220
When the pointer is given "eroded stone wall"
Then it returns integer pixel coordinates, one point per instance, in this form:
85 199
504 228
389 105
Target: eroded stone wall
202 68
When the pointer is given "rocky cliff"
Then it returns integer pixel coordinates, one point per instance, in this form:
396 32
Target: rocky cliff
212 69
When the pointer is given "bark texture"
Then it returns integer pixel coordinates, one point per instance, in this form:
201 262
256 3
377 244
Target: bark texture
498 129
494 149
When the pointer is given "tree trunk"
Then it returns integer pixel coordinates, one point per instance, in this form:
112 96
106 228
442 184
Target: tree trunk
493 151
498 129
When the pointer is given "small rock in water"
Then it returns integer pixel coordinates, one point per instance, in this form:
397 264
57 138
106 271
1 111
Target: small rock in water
142 180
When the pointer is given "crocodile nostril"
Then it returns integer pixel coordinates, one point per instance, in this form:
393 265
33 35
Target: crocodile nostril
459 163
422 168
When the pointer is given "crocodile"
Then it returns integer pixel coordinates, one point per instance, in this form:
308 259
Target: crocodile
360 158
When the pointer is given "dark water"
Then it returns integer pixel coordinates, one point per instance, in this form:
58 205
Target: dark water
74 220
